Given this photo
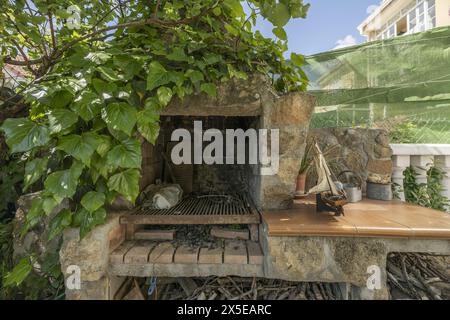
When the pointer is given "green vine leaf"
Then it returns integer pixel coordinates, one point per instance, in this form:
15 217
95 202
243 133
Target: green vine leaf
297 59
126 155
93 201
280 33
61 99
63 184
164 95
279 14
61 119
48 204
80 147
108 74
157 76
120 116
209 88
87 105
22 134
86 220
195 75
19 273
126 183
104 146
148 124
61 221
34 169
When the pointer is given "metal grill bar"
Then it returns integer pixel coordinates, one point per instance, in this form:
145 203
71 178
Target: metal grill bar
206 209
204 206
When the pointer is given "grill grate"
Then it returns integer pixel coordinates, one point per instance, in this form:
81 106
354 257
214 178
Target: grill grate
205 205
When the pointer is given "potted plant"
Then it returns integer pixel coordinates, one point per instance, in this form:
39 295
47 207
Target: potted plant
305 166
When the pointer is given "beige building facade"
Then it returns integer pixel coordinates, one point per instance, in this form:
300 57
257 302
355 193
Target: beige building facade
399 17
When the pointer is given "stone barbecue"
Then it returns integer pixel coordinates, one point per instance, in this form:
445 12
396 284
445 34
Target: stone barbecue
274 237
234 191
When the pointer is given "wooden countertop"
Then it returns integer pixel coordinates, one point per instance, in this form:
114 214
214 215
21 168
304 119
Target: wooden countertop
369 218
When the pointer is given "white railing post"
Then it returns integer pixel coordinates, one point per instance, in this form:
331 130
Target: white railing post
420 165
443 162
419 156
400 163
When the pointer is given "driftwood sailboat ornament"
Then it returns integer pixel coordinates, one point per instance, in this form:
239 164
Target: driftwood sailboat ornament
328 196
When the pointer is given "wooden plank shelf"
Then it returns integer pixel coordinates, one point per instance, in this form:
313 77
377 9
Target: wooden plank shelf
152 258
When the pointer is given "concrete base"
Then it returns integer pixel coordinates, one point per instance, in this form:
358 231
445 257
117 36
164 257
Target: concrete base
360 262
175 270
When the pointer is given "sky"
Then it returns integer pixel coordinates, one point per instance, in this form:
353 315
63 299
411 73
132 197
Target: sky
330 24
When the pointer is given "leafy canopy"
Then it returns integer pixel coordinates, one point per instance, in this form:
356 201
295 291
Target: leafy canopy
98 75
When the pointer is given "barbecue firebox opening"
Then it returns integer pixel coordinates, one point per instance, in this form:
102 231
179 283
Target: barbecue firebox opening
228 178
225 191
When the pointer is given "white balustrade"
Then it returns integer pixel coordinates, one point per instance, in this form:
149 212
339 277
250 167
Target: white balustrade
420 156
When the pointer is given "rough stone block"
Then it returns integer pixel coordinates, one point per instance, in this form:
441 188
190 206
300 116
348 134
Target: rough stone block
382 152
383 139
379 178
379 166
116 236
293 109
91 254
292 141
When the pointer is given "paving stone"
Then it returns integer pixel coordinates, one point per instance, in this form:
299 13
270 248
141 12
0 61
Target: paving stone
210 256
163 253
139 253
186 254
235 252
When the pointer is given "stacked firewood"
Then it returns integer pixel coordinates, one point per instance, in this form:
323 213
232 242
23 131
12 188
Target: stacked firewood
235 288
418 277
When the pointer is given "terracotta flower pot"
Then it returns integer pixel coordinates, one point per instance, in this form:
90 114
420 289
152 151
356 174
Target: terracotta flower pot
301 183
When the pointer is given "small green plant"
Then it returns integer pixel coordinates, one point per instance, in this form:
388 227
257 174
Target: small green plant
31 278
402 133
427 195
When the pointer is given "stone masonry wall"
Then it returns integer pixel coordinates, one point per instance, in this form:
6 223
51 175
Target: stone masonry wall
363 151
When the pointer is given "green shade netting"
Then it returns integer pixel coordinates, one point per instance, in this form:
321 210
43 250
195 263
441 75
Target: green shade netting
388 83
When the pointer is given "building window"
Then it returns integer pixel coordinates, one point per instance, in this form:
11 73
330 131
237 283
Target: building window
422 17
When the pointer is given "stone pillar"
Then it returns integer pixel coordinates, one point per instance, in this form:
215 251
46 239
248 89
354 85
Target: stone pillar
90 256
290 114
401 163
420 164
443 162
